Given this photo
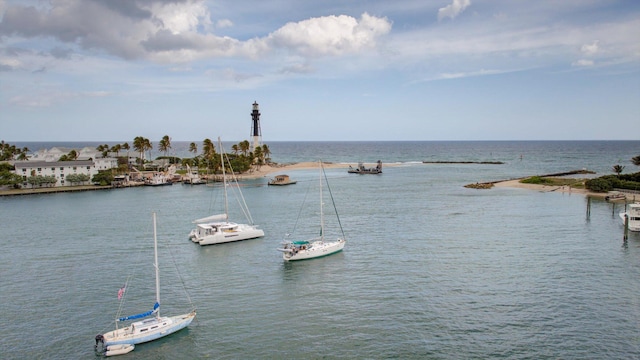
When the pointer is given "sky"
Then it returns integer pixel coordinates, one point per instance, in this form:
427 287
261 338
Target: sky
331 70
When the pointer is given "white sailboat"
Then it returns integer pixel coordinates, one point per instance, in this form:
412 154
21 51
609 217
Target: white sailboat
319 246
122 340
217 229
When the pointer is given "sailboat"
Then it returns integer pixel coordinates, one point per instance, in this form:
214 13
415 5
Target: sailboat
122 340
217 229
318 246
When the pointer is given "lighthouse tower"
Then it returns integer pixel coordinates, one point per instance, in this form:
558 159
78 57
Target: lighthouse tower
255 126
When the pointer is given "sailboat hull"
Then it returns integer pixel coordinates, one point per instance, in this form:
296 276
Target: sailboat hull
148 330
314 250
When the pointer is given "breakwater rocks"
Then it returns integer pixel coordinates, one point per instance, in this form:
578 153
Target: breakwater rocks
464 162
489 185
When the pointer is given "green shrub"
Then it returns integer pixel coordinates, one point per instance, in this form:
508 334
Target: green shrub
600 184
535 180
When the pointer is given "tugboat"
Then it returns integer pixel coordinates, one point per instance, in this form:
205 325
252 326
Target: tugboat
363 170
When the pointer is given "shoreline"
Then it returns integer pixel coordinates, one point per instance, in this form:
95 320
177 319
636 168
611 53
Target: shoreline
267 170
564 189
264 171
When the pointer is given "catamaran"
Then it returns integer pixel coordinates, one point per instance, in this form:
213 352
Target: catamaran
217 229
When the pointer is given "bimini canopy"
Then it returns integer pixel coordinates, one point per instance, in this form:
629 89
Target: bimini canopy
140 316
219 217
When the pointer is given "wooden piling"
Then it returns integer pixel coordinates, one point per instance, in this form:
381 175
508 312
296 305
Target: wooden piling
626 227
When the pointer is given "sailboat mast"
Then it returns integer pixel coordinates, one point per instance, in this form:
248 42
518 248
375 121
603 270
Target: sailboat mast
224 181
321 207
155 251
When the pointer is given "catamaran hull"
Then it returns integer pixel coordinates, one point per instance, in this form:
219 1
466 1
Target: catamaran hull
123 336
317 250
225 237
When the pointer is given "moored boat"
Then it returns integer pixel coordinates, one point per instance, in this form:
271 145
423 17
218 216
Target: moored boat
217 229
633 214
111 343
281 180
361 169
121 349
318 246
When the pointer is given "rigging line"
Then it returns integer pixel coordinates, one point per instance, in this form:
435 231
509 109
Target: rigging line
184 287
245 208
124 296
333 202
301 207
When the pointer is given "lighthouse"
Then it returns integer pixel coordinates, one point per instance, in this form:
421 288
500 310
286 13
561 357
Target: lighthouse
255 126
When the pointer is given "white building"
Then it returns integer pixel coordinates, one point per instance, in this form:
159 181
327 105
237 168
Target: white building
60 169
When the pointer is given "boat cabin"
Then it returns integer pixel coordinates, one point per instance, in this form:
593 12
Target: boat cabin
147 325
212 229
281 180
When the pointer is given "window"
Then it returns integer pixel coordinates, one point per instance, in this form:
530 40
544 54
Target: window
61 168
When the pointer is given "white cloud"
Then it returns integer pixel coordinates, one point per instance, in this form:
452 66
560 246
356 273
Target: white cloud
583 63
330 35
590 49
182 17
224 23
454 9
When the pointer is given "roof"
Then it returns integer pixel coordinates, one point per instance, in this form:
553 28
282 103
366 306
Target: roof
32 164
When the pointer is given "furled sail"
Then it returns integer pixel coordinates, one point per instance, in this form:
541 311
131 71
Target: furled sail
219 217
142 315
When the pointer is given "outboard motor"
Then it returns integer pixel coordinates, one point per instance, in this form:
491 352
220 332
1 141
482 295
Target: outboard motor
99 340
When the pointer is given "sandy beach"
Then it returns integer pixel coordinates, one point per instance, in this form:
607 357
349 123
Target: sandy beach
272 170
546 188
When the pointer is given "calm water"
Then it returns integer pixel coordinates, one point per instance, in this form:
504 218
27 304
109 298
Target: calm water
430 270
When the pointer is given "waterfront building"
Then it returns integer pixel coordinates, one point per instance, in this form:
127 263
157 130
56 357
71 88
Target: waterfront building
61 169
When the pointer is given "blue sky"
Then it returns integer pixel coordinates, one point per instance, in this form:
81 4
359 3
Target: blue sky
321 70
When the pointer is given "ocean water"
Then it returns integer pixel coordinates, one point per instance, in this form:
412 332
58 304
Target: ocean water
431 270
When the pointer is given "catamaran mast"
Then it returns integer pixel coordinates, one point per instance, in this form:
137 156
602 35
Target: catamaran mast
224 181
155 251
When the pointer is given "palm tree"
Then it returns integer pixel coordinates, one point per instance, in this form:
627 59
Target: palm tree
617 169
116 149
165 144
126 147
141 145
208 150
235 148
259 157
244 147
266 152
73 155
102 149
636 160
193 148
